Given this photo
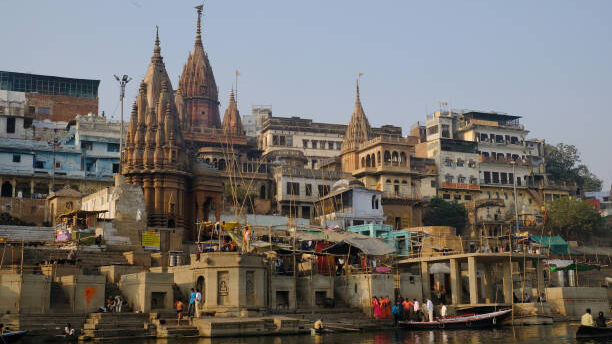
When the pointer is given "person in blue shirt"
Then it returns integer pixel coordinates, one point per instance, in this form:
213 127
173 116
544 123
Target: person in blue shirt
191 308
398 312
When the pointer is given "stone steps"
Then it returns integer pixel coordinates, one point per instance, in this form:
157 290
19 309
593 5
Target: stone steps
166 331
110 325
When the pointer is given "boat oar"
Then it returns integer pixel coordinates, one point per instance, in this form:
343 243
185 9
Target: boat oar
333 327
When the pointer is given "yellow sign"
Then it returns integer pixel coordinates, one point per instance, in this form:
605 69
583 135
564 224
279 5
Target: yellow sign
151 240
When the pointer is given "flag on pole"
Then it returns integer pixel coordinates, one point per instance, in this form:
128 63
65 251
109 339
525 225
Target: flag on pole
237 73
360 74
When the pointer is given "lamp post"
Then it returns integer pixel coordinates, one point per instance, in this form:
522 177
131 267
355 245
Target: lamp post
122 82
515 200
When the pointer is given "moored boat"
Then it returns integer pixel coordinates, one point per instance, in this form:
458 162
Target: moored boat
11 337
593 332
470 321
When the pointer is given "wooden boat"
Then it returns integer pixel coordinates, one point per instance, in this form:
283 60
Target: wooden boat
460 322
593 332
12 337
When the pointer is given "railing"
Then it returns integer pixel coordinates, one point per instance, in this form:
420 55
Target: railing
461 186
493 160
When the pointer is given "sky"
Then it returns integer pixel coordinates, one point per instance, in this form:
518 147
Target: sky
548 61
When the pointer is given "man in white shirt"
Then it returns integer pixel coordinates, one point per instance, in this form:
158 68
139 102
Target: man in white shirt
443 311
429 307
198 302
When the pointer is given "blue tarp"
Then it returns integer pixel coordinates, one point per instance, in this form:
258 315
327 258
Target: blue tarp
556 243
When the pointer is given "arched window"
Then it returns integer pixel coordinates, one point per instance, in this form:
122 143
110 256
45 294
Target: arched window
378 155
221 164
373 157
374 202
363 162
368 161
396 187
388 186
395 157
387 157
262 192
403 158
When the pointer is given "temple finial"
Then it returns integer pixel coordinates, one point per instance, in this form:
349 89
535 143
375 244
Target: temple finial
199 8
357 100
156 48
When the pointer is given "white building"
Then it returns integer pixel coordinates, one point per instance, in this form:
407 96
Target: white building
350 204
14 123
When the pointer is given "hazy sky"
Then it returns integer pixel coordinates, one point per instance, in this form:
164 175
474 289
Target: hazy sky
548 61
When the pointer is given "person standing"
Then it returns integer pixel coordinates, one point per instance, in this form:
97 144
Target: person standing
398 313
407 304
416 308
179 306
429 307
376 307
443 311
601 320
198 303
191 307
587 318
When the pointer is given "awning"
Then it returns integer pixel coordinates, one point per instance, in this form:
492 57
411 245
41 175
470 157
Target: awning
367 245
556 243
578 267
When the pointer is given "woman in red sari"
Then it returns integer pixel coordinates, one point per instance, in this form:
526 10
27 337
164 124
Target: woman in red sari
387 308
376 307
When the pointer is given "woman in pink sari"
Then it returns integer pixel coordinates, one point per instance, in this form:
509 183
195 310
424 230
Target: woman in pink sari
376 307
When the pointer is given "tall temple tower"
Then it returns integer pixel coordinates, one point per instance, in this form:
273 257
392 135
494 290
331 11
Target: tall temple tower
197 95
232 124
154 156
357 132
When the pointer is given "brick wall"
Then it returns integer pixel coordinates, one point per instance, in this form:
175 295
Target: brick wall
63 108
25 209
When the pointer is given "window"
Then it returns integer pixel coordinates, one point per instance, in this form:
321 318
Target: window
39 164
10 125
112 147
90 166
504 178
448 178
282 141
31 110
314 144
460 162
461 179
471 163
457 197
323 190
330 145
433 183
446 196
115 168
305 143
308 189
467 197
445 131
432 130
86 145
448 162
44 111
339 146
487 177
58 164
495 177
16 158
293 188
374 202
275 140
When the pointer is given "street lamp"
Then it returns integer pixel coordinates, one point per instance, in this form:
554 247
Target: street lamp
513 163
122 82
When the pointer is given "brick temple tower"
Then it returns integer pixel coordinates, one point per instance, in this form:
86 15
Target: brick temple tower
357 132
155 156
197 95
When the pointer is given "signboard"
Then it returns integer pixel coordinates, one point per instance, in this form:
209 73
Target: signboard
151 240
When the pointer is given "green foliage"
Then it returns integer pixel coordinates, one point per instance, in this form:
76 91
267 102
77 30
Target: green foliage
573 219
240 194
563 165
442 213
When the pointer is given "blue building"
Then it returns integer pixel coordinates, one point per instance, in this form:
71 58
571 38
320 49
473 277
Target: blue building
401 240
84 156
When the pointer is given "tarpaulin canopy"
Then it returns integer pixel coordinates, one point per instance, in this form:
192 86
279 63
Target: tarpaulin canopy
367 245
579 267
556 243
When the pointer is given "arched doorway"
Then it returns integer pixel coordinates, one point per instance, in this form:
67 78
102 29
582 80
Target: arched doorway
200 285
7 190
262 192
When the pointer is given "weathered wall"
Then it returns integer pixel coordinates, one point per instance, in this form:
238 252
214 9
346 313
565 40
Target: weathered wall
63 108
85 293
113 273
307 287
26 209
139 290
282 284
24 294
574 301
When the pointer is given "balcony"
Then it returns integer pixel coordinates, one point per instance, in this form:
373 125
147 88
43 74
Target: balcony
410 195
503 160
460 186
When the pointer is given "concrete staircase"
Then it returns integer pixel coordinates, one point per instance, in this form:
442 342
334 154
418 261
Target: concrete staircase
118 325
167 326
45 324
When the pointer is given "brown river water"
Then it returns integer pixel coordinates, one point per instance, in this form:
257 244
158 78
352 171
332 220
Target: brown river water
549 334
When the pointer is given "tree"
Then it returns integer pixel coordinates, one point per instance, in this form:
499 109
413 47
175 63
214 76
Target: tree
573 219
442 213
563 165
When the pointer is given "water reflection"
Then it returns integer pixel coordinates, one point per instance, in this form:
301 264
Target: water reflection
552 334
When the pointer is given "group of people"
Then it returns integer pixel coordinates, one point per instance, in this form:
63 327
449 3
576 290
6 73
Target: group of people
112 305
587 319
195 301
405 309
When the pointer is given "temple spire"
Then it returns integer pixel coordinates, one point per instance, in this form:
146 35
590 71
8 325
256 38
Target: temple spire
199 26
156 48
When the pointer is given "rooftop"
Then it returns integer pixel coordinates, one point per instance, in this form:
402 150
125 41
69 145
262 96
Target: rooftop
45 84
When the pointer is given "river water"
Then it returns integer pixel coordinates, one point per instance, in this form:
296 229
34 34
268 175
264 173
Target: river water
549 334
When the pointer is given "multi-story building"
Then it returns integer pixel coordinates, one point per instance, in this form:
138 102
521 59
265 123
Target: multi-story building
84 158
253 123
51 97
14 122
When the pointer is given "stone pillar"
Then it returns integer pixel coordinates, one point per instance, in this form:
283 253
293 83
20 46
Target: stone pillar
489 284
507 282
425 280
472 280
540 276
455 281
31 188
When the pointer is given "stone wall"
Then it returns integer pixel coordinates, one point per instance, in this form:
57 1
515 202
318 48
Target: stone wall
24 294
310 290
29 210
148 291
84 293
574 301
